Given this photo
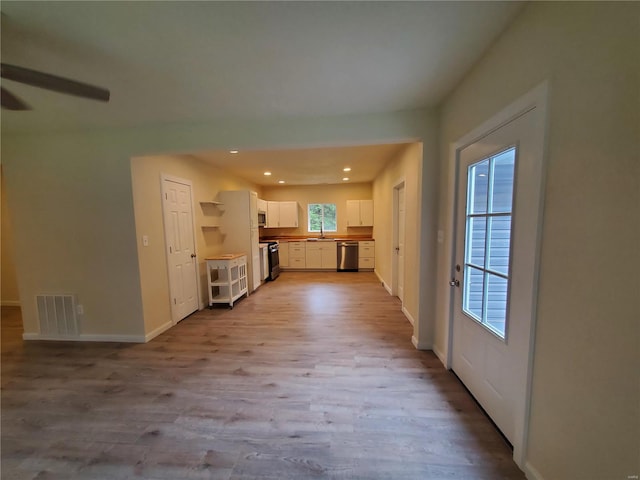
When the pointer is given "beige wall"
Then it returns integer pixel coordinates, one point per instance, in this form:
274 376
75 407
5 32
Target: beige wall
72 211
405 167
585 408
305 194
207 181
10 294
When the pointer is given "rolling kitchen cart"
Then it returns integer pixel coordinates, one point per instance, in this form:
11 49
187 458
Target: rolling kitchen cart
227 277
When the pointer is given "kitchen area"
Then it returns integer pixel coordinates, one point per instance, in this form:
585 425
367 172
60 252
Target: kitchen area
269 237
236 208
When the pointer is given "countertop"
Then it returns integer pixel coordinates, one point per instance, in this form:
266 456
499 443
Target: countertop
301 238
226 256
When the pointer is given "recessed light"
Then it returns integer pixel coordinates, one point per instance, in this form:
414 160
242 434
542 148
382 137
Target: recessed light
346 169
345 179
233 151
267 174
280 181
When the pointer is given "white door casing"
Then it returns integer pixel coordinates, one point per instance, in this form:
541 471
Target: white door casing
400 192
177 204
498 371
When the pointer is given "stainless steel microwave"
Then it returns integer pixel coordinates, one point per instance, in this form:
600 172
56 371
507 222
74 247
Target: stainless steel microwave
262 219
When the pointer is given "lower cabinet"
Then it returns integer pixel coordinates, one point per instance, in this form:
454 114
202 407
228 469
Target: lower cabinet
297 255
283 254
321 255
366 255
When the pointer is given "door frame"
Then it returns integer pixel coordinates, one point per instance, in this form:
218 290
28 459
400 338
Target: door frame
394 234
189 183
536 99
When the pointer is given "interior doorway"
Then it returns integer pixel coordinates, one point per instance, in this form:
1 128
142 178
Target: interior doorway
398 254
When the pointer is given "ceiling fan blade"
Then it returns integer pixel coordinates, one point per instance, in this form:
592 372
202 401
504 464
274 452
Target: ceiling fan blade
53 82
10 102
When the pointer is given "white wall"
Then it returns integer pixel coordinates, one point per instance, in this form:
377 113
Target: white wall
585 416
72 201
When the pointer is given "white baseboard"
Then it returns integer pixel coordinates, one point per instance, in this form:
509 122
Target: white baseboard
154 333
408 315
440 355
10 303
86 338
531 473
384 284
100 338
414 340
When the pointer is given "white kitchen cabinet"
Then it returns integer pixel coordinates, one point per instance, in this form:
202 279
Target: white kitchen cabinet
366 255
359 213
297 255
262 205
321 255
289 214
273 215
282 215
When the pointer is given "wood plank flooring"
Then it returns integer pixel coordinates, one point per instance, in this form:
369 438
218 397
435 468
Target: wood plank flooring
312 377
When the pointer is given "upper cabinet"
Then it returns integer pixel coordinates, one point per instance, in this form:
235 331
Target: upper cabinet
359 213
262 205
282 215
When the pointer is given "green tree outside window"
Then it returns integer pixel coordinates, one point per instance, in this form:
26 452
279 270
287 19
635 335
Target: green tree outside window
322 217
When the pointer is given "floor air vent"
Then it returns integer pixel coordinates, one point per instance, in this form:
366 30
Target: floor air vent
57 315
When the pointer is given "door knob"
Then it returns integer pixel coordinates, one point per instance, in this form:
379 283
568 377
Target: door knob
193 255
454 282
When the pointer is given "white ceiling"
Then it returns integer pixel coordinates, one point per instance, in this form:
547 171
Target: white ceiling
305 166
181 62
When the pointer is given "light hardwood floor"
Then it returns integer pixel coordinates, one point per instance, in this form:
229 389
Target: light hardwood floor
313 376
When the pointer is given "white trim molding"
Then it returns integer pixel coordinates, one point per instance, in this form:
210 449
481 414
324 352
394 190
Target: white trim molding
158 331
536 99
408 315
531 472
440 355
85 338
10 303
100 337
384 284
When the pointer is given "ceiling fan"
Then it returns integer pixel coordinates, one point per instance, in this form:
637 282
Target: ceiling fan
47 81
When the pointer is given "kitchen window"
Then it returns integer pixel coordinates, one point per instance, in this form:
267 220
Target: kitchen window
322 217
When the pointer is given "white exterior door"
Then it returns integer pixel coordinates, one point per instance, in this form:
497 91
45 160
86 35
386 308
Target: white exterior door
179 240
499 196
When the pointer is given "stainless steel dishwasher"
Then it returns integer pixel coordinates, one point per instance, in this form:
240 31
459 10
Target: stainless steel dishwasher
347 256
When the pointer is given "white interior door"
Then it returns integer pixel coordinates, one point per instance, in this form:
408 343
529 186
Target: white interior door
179 240
499 192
